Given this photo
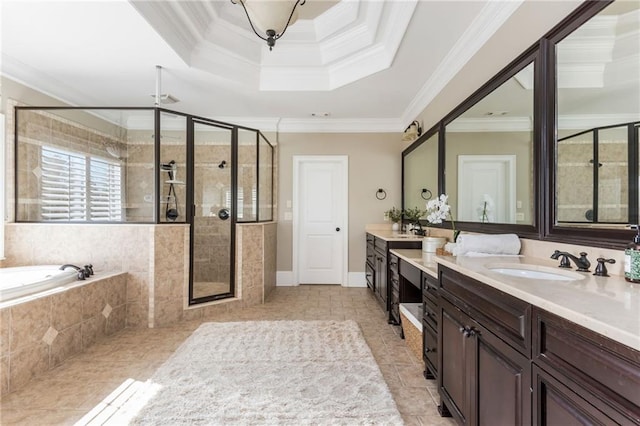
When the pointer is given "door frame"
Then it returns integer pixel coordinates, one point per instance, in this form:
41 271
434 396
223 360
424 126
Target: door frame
509 160
343 160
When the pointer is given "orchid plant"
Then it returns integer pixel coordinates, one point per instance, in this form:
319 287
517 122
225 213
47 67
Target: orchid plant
438 210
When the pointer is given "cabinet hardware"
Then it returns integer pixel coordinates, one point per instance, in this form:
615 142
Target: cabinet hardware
468 331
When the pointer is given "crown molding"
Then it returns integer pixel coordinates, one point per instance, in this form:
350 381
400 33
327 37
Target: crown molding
41 82
591 121
491 124
490 19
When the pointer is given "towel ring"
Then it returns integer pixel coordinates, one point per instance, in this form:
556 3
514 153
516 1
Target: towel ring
426 191
381 194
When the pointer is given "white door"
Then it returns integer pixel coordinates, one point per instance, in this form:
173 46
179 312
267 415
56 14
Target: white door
320 219
486 188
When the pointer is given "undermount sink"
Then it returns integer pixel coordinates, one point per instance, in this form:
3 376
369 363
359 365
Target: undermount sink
534 272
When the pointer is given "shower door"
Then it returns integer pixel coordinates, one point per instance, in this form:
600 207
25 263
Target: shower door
213 218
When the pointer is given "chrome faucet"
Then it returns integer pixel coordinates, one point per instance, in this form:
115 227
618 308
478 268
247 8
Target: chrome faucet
82 273
582 262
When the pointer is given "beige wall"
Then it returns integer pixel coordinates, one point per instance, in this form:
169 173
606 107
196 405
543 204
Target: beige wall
532 20
374 162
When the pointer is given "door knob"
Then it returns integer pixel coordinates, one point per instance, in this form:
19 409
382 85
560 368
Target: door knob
338 229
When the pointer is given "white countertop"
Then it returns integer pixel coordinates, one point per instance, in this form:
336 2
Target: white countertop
607 305
389 235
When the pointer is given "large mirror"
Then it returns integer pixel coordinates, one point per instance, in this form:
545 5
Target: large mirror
489 155
420 171
598 113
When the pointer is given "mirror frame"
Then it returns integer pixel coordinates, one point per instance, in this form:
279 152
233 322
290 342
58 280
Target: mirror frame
545 132
522 61
615 238
531 55
414 145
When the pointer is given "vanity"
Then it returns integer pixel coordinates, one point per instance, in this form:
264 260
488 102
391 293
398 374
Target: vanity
562 348
381 268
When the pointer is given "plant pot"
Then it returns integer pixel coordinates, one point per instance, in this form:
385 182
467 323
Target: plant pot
395 227
431 244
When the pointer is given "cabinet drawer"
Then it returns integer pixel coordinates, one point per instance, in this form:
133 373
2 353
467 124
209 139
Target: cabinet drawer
430 316
393 263
430 288
381 245
410 273
394 282
430 347
505 315
370 239
604 369
370 254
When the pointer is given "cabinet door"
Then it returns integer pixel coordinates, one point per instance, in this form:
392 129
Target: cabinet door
503 382
455 367
381 280
556 404
482 380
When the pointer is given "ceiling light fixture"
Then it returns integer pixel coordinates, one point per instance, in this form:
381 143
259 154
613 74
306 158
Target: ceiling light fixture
271 17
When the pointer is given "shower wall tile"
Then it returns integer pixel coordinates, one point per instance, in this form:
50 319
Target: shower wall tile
137 315
29 322
66 344
5 331
116 320
93 330
93 300
4 374
66 308
27 363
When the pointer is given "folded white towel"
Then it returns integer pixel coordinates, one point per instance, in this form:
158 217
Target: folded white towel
499 244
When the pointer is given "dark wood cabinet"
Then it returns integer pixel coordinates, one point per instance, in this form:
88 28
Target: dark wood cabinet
377 267
430 310
502 361
405 286
582 375
482 379
370 263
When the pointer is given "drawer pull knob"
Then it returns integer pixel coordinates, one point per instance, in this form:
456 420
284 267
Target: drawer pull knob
468 331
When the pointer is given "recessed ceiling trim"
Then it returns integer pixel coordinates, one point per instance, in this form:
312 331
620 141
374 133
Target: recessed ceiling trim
336 18
162 15
492 16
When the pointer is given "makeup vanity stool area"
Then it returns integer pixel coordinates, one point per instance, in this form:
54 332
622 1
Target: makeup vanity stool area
521 352
379 263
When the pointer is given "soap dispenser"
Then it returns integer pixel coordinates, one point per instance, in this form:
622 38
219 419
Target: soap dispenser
632 258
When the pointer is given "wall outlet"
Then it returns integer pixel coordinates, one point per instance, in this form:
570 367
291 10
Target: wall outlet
519 217
288 216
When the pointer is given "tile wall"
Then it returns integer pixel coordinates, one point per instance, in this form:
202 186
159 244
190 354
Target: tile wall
39 334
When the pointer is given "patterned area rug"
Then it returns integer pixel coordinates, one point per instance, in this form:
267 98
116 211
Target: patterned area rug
269 372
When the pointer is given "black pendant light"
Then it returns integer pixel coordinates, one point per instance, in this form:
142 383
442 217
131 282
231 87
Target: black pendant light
270 16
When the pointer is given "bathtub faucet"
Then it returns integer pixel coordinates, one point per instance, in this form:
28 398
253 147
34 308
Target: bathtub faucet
81 272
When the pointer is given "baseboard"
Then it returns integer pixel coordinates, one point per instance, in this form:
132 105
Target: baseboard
284 279
357 279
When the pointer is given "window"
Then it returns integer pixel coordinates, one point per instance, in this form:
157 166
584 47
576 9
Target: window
75 187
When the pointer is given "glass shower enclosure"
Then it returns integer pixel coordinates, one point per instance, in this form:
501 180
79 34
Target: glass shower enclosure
147 166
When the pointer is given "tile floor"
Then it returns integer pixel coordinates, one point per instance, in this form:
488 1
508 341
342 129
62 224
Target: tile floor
68 393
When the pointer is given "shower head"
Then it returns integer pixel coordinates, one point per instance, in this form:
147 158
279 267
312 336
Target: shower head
168 167
222 164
